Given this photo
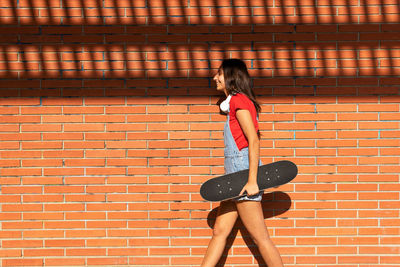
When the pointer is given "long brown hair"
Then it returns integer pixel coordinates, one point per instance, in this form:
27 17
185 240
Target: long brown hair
237 79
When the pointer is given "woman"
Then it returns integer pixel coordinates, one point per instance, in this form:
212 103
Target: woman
242 145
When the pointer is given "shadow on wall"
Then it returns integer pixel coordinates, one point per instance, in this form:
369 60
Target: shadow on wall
273 204
142 47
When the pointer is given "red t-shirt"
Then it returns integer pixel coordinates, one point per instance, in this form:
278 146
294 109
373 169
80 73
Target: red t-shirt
240 101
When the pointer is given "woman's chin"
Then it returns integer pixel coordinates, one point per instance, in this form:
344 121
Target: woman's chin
219 88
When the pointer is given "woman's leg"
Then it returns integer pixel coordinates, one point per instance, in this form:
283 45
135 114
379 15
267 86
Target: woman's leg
226 218
251 214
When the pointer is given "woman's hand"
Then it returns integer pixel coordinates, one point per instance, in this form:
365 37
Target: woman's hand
251 189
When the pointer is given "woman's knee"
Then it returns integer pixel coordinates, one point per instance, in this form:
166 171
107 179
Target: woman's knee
221 231
227 216
263 240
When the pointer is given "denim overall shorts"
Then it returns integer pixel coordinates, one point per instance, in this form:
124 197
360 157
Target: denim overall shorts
236 160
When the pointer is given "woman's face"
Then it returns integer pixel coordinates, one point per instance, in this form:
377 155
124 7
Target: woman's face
220 81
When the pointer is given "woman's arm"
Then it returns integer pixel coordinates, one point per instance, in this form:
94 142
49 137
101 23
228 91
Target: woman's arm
249 130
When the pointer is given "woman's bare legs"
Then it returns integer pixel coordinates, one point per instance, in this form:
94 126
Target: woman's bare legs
226 218
251 214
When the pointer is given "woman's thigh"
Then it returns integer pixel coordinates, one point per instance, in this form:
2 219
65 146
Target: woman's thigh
252 216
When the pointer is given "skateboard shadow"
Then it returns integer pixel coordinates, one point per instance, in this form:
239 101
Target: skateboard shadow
273 204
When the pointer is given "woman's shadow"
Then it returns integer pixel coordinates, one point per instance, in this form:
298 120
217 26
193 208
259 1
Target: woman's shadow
273 204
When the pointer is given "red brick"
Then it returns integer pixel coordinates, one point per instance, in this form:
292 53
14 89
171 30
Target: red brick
108 261
85 233
140 261
22 243
85 215
107 242
11 253
22 262
64 261
43 234
86 252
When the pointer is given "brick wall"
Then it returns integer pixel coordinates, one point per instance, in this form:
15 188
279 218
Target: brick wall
109 126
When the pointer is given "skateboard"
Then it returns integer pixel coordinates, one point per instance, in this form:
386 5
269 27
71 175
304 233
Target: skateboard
228 186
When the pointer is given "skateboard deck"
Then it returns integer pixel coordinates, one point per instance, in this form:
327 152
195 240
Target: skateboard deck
228 186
